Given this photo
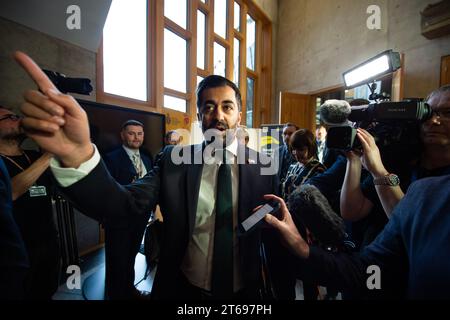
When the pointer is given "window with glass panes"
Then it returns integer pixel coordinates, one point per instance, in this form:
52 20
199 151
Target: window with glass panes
155 52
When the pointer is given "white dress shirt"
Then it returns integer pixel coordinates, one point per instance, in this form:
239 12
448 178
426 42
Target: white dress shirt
197 263
141 170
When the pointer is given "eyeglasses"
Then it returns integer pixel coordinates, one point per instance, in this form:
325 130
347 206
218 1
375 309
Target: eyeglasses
13 117
443 114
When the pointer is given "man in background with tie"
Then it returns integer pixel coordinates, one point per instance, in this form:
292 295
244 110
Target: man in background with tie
321 135
126 164
203 255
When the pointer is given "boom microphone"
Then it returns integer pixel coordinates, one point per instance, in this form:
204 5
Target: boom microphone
335 112
309 207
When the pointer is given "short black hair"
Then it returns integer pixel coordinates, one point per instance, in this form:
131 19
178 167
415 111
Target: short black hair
132 122
214 81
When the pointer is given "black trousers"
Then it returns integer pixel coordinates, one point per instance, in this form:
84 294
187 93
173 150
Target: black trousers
121 247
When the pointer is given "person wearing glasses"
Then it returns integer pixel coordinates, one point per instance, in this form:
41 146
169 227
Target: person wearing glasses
434 160
411 254
32 208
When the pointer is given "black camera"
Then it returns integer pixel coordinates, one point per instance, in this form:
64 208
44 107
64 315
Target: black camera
66 84
389 122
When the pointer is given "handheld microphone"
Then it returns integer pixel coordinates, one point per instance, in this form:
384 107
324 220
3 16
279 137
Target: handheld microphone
309 207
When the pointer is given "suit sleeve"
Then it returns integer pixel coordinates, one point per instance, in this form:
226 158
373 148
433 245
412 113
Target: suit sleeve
331 180
349 271
100 197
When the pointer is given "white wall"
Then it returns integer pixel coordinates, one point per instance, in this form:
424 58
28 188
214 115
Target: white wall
319 40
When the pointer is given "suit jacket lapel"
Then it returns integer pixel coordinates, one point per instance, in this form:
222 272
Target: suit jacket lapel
126 159
193 180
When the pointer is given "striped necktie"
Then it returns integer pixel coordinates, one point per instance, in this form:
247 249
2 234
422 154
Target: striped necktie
137 165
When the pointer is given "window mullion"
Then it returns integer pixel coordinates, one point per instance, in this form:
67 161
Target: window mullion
243 60
159 55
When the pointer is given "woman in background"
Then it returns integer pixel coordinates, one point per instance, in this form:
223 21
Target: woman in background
304 149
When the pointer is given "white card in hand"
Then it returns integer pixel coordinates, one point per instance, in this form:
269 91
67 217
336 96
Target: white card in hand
248 223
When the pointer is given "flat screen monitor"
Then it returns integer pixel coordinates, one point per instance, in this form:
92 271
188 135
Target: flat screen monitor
106 121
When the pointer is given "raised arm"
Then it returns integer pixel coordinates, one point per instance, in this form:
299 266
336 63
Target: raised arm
24 180
59 125
354 205
389 196
54 120
347 270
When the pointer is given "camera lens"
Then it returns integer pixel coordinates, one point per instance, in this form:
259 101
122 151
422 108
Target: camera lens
423 111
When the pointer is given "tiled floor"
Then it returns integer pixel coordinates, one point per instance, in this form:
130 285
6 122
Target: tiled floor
93 278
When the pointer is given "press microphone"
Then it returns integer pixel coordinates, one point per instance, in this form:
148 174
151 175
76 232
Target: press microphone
309 207
335 112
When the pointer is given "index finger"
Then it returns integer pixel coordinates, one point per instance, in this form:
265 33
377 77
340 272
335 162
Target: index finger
365 133
364 142
34 71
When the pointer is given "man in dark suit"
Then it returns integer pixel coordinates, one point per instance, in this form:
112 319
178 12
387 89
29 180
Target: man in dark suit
125 164
202 201
13 257
128 163
285 156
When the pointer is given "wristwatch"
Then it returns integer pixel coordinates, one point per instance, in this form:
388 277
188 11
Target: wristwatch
388 180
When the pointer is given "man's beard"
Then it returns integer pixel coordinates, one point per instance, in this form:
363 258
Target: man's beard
220 130
13 136
133 145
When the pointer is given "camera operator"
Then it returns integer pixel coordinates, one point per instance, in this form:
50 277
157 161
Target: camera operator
31 186
412 251
355 205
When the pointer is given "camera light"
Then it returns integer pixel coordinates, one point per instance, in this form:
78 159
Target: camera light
380 65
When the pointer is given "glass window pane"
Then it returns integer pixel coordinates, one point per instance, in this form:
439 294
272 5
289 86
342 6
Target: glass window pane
174 103
220 18
236 48
237 16
250 101
174 61
199 79
219 59
251 42
201 20
125 49
176 10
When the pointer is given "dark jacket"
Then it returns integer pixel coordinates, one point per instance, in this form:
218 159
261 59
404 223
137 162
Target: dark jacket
120 166
13 257
175 187
412 251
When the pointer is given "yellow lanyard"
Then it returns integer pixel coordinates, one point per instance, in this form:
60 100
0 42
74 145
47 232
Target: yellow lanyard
15 163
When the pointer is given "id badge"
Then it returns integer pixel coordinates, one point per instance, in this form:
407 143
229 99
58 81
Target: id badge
37 191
